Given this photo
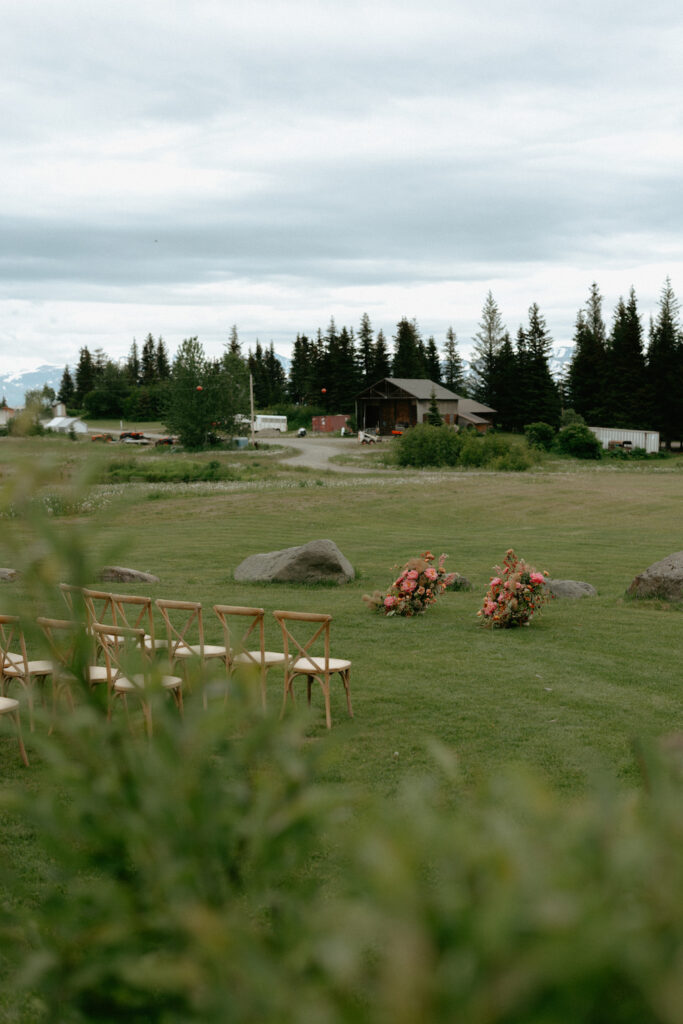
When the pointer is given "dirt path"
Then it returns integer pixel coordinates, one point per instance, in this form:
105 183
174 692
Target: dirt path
316 452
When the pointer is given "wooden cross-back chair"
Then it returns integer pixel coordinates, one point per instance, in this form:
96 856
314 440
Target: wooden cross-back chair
185 632
130 668
299 643
241 648
72 647
15 665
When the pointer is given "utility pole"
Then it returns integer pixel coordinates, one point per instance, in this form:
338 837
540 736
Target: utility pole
251 406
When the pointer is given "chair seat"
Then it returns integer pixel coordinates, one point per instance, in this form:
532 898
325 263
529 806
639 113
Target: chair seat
123 685
314 666
155 645
8 704
35 668
269 658
13 659
195 651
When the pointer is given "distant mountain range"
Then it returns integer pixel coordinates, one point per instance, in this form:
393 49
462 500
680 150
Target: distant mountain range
15 385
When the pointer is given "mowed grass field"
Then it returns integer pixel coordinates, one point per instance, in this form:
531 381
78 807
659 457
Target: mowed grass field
565 696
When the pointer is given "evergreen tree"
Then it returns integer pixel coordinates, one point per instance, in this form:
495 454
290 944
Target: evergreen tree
487 343
66 389
454 371
587 370
366 353
381 363
148 362
300 385
432 361
133 364
275 376
259 376
163 362
626 385
408 361
434 417
234 343
85 376
540 396
509 414
665 368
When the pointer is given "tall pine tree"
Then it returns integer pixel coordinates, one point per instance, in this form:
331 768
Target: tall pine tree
665 368
587 370
454 371
487 343
408 361
626 384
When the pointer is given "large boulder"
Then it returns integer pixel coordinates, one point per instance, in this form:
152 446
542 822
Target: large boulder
8 575
119 574
319 561
662 579
570 588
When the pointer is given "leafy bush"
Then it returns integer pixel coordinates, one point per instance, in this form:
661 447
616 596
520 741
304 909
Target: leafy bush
426 445
569 417
579 441
540 435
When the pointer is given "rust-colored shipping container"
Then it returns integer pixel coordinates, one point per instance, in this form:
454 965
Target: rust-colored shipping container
329 424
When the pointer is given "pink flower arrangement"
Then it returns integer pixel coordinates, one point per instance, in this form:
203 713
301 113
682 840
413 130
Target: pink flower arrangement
514 595
415 588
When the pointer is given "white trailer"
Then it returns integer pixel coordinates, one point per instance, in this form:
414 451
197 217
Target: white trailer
265 422
615 437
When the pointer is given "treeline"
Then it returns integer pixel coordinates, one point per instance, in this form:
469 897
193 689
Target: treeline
327 371
613 379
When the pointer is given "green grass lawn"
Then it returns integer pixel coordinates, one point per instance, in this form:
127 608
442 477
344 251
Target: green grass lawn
564 695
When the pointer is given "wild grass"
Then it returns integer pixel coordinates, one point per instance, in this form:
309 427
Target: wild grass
570 691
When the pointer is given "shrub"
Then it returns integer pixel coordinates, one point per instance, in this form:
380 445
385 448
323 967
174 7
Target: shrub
579 441
426 445
540 435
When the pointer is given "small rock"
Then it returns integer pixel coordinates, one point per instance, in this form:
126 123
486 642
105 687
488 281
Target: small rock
119 574
571 588
8 575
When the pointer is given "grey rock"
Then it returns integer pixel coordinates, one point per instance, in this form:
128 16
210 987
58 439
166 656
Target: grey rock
8 575
119 574
319 561
460 583
662 579
571 588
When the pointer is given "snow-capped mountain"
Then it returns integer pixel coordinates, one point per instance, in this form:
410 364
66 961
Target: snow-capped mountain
560 359
15 385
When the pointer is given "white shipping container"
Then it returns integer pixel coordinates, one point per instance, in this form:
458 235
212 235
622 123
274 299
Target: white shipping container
647 439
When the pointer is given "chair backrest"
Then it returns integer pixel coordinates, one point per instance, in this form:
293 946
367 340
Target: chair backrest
99 606
183 621
12 645
252 648
135 611
124 649
294 633
69 642
73 598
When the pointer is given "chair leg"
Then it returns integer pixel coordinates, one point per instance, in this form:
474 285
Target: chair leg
22 748
328 713
345 681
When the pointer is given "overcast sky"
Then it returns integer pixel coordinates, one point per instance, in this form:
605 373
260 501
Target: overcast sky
177 167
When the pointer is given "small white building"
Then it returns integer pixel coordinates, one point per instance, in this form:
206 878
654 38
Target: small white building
6 415
65 424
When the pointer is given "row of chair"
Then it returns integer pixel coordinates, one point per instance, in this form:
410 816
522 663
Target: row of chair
117 623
